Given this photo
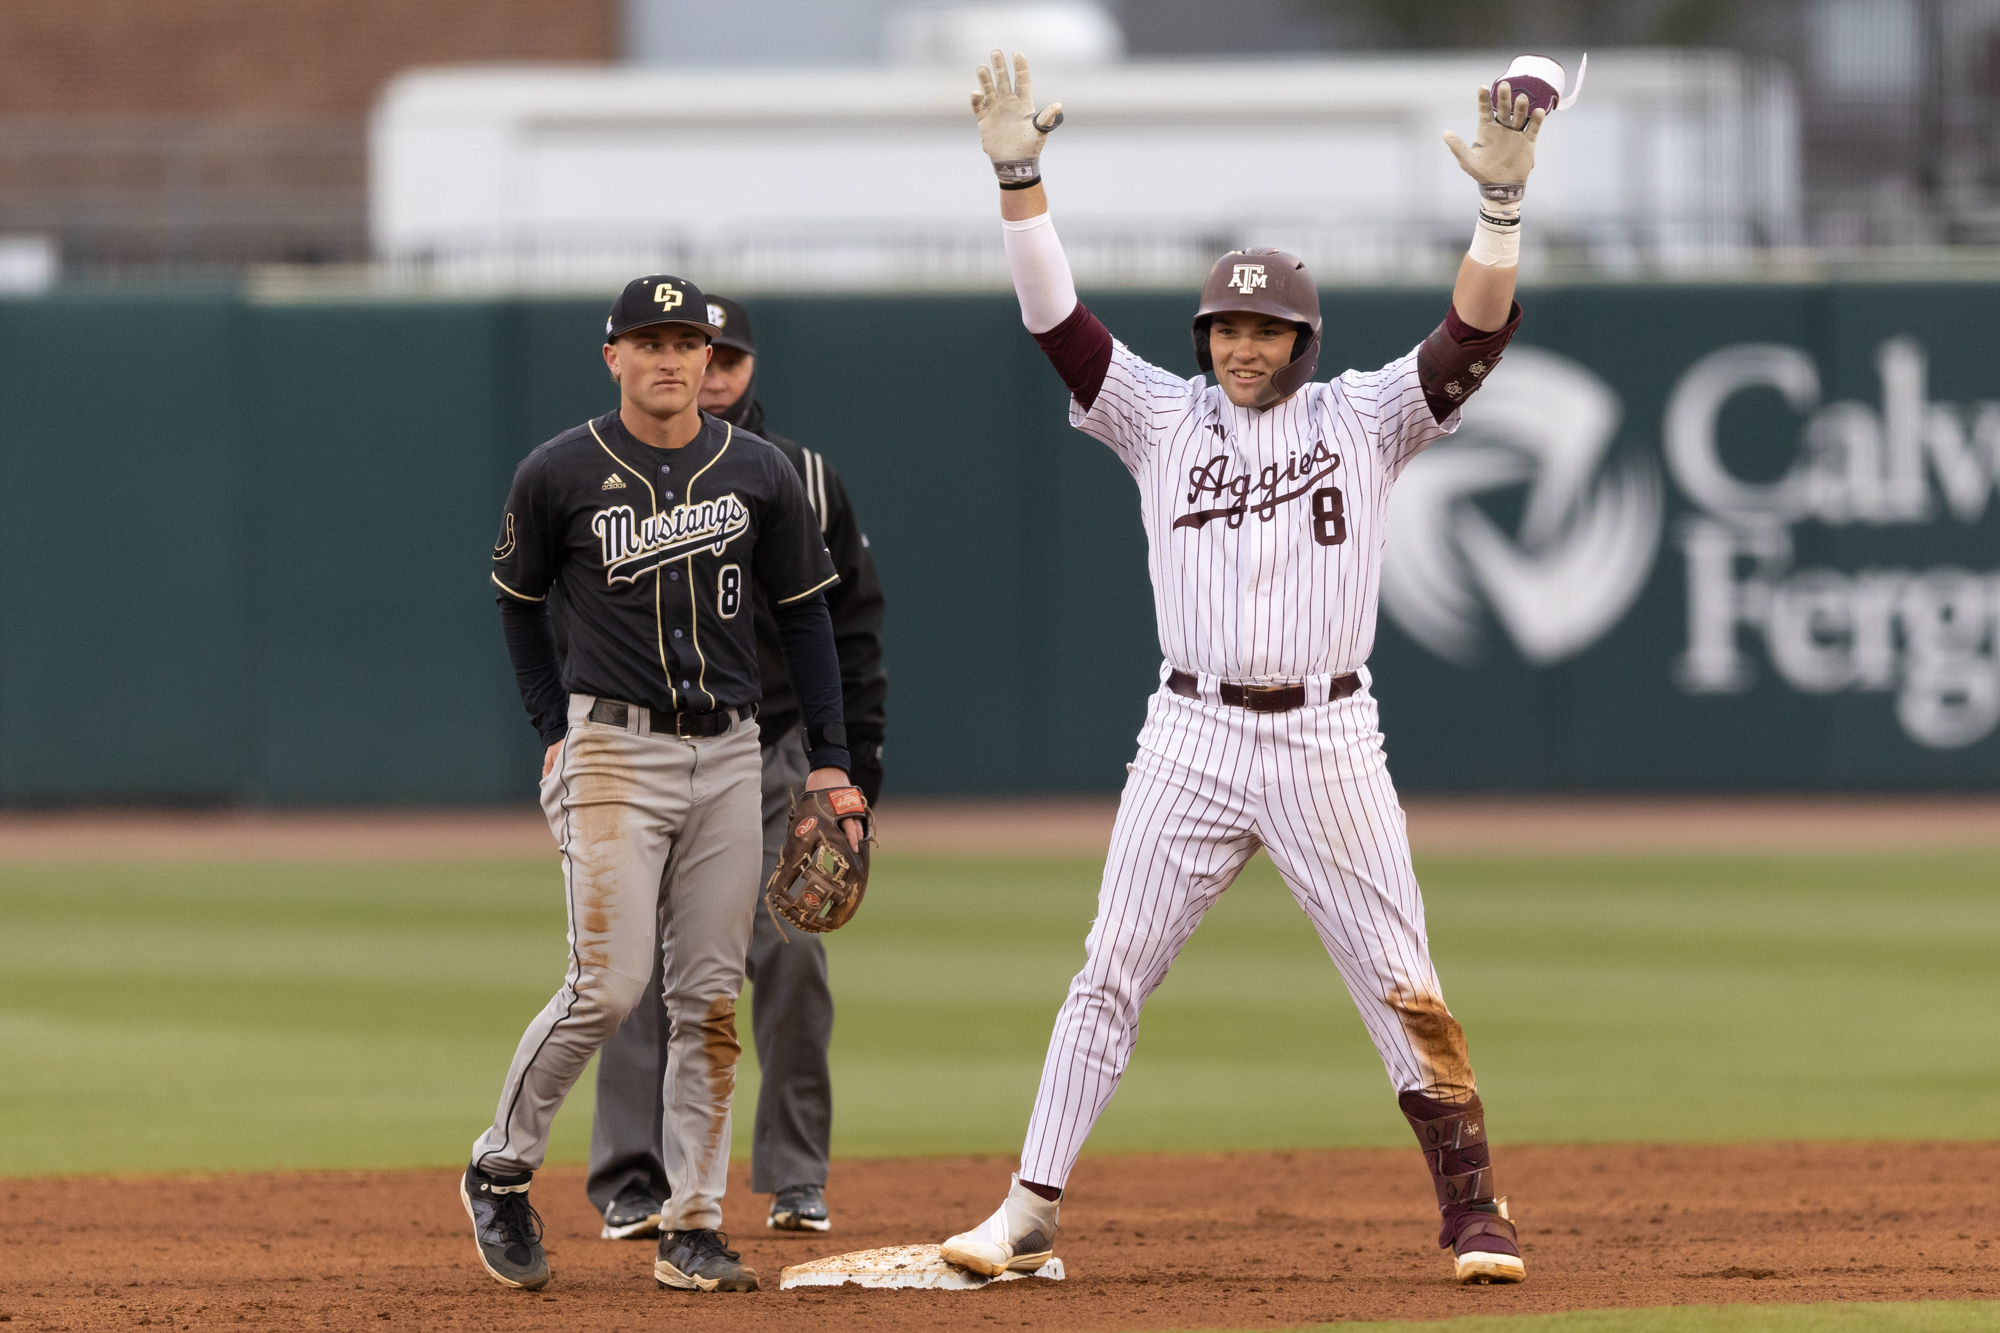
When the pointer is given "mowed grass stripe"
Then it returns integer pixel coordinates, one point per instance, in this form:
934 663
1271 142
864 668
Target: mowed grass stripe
232 1016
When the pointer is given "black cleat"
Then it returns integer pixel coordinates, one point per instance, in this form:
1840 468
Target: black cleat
799 1208
507 1230
700 1261
633 1215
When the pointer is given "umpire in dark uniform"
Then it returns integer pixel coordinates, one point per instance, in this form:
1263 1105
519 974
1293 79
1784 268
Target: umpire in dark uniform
792 1008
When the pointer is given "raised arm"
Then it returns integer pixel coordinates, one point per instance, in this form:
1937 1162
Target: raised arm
1012 132
1454 361
1501 155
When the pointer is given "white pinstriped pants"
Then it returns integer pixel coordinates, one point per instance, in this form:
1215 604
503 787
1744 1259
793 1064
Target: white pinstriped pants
1210 785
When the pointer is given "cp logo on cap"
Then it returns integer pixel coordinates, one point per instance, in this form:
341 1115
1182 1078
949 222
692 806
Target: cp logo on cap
1246 278
667 296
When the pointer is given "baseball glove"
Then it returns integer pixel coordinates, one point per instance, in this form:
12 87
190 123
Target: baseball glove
820 879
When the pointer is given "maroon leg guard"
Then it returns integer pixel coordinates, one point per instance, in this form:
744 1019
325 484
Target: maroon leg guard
1453 1138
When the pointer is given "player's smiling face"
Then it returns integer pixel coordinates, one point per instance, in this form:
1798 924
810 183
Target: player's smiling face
1248 350
659 368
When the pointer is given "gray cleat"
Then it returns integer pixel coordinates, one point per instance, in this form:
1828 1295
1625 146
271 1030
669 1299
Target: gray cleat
701 1261
633 1215
507 1230
799 1208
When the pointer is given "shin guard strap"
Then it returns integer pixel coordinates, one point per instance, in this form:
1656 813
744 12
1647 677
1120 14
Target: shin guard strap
1451 1133
1472 1187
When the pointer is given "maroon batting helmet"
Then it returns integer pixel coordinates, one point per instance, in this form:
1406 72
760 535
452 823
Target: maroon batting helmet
1263 282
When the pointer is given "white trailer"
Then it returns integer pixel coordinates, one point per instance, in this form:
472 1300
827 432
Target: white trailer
872 178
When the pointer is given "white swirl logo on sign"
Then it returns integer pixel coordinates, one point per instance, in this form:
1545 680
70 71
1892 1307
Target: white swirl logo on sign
1587 538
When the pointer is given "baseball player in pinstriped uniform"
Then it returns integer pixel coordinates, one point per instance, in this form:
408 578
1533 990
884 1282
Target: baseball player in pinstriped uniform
1263 500
656 520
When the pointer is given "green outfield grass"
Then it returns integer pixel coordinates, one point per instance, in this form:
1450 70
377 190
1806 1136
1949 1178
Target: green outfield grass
1886 1317
177 1017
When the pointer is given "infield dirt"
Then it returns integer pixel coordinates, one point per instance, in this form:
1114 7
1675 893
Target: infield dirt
1238 1240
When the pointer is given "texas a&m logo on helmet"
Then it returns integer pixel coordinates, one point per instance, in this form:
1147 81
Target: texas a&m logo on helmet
1247 278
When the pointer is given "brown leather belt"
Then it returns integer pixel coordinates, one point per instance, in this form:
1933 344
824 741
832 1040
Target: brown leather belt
684 725
1262 698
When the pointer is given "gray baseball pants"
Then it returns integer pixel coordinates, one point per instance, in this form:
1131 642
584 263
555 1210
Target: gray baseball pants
791 1018
659 839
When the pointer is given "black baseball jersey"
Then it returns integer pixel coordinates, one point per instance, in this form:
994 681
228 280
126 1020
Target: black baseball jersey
656 551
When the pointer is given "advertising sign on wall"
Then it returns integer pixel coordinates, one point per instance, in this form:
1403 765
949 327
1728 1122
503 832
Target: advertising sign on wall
1758 524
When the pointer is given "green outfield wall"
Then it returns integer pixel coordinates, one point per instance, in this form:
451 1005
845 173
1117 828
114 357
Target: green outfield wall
1691 537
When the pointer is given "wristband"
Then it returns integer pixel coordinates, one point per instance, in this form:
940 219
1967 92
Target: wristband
1496 238
1030 183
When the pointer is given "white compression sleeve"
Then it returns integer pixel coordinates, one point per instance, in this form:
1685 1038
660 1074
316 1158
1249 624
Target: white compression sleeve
1041 272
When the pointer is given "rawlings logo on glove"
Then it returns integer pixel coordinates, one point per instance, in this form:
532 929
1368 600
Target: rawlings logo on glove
821 877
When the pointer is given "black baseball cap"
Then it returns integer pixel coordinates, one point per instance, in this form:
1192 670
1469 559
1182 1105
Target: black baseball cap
734 321
659 298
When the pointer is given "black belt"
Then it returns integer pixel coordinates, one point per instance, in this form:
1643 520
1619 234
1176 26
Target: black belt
1262 698
684 725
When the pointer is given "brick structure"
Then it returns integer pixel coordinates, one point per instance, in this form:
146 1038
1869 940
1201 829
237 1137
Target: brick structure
230 131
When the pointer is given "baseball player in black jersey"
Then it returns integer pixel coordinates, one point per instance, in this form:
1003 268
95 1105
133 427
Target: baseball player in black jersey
658 522
793 1010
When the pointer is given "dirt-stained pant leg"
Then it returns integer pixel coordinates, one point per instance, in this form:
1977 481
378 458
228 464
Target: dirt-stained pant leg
791 1010
1330 819
793 1018
615 801
711 891
1182 834
625 1122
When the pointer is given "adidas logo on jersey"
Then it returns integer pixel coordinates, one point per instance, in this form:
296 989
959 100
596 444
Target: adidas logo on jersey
614 482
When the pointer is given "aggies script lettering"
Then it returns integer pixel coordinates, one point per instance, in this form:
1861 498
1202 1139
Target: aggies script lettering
1301 473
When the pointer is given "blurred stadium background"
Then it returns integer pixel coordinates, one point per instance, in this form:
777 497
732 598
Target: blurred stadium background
289 292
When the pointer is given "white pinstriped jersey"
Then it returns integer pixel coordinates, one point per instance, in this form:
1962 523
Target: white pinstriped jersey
1264 529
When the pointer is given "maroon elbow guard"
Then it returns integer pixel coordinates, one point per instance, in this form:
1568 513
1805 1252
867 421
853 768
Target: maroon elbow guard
1456 359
